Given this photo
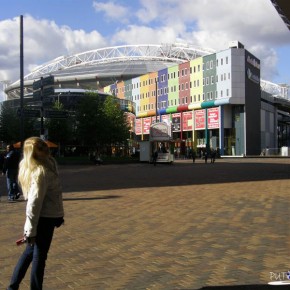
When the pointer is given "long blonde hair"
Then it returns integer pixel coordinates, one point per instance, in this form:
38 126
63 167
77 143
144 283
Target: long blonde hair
36 158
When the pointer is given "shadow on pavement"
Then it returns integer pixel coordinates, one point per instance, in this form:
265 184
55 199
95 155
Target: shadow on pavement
112 177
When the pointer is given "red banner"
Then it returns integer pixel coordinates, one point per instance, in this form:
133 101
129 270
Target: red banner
213 118
138 127
187 121
199 119
146 125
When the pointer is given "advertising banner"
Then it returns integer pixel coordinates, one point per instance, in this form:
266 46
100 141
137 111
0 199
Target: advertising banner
213 118
199 119
187 121
138 127
146 125
176 122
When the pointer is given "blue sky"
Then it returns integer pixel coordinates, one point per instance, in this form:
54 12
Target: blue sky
62 27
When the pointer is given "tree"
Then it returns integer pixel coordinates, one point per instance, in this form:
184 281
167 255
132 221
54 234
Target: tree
89 119
100 123
10 125
117 128
59 130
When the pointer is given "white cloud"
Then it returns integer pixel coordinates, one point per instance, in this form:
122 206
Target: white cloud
43 41
112 11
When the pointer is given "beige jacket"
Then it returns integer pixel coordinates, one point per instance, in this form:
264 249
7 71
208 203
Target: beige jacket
44 199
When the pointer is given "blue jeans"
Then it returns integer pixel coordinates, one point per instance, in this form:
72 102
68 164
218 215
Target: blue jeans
37 254
12 185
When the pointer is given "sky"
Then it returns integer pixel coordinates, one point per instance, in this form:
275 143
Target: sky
53 28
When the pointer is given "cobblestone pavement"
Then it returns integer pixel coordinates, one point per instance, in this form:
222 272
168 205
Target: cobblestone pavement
180 226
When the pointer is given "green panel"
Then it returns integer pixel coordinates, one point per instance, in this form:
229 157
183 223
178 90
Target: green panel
171 110
207 104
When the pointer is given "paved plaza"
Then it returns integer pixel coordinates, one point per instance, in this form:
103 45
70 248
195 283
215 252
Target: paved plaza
179 226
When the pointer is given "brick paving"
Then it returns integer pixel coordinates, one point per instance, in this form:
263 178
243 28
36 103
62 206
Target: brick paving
180 226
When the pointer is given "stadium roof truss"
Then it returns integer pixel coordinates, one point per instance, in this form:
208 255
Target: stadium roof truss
163 52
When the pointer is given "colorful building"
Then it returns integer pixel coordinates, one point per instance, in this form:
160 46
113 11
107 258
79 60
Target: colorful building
213 101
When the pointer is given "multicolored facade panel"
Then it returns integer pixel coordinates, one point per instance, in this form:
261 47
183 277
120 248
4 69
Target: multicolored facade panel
152 93
196 77
184 85
162 91
172 89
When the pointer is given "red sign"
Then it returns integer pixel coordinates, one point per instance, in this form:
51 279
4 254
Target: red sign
187 121
138 127
146 125
213 118
199 119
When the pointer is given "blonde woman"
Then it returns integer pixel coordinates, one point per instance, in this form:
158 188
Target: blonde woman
39 180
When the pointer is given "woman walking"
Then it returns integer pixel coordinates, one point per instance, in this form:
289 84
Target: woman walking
39 180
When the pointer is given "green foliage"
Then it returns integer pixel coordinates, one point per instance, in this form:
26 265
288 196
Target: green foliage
59 130
101 122
10 125
97 123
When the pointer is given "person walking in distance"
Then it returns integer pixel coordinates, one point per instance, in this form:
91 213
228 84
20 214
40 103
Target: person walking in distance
39 180
10 169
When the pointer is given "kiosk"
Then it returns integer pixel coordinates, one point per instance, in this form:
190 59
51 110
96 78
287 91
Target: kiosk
160 141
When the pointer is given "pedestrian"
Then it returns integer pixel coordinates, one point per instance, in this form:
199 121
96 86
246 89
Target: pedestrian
205 155
193 155
155 156
10 169
212 155
39 180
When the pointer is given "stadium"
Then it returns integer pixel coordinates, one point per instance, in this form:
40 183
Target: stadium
98 69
